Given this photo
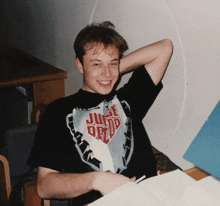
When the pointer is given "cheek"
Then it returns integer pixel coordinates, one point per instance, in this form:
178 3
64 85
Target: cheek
91 73
115 72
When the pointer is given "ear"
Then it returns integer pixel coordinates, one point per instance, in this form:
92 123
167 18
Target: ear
79 65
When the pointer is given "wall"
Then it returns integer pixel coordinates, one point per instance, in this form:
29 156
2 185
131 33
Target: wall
47 28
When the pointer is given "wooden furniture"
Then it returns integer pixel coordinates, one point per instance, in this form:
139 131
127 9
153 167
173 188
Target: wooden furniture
196 173
5 181
31 197
18 68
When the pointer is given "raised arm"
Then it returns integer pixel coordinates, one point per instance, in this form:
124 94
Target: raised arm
53 184
154 57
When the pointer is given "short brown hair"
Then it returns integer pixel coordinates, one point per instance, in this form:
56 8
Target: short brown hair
103 33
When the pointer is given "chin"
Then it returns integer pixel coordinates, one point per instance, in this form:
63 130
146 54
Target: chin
104 92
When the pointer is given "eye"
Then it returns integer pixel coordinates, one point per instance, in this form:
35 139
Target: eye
96 65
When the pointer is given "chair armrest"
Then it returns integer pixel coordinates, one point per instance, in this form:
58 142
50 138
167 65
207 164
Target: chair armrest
5 181
37 111
31 197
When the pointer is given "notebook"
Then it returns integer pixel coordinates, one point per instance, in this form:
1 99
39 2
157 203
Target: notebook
204 151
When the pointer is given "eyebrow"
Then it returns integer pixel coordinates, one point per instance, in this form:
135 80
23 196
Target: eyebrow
116 59
93 60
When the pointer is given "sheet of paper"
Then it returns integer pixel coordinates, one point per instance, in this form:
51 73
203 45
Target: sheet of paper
162 190
204 151
168 188
205 192
127 195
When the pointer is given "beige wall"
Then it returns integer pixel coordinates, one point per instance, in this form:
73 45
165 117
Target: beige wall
47 28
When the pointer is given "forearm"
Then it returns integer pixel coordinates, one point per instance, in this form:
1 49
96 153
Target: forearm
52 184
154 57
65 185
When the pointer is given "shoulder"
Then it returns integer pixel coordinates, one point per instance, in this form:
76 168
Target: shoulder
53 119
62 104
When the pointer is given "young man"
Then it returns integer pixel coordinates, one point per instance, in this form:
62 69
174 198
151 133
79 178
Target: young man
94 141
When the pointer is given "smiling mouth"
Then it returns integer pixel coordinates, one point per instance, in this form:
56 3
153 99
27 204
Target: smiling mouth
105 83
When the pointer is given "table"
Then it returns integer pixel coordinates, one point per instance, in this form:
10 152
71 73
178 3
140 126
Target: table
196 173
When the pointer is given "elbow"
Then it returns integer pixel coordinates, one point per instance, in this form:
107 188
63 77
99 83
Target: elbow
41 190
45 183
168 46
44 188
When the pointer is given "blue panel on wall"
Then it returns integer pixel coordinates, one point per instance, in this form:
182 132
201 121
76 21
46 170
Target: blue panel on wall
204 152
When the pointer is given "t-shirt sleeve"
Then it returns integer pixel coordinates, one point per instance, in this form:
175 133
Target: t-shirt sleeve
50 145
140 92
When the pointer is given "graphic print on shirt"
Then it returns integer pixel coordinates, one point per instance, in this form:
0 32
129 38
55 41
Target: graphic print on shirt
103 135
103 127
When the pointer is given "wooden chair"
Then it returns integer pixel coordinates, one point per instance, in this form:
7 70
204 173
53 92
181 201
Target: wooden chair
15 175
13 163
18 144
5 182
31 198
30 191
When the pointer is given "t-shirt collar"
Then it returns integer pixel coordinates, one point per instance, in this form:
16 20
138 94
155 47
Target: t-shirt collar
97 96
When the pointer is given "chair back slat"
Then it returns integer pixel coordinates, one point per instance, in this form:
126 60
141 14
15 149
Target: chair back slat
5 182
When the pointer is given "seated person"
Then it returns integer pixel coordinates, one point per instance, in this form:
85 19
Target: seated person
92 142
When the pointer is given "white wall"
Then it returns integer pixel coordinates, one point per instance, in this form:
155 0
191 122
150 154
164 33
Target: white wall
47 28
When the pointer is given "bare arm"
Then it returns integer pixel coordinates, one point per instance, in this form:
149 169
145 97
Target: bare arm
154 57
52 184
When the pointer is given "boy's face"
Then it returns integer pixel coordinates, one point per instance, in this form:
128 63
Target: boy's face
100 69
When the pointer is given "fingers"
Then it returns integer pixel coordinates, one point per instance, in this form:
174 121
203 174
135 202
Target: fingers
108 181
133 179
159 172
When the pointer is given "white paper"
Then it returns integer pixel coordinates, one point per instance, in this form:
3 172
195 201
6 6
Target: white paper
162 190
168 188
128 194
205 192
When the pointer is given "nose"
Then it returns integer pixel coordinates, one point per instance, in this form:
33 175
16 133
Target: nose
106 71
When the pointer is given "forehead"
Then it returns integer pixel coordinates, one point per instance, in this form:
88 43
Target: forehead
98 49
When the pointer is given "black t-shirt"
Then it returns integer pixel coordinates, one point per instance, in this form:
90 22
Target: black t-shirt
87 131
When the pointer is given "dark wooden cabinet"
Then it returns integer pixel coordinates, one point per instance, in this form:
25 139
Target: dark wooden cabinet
19 68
